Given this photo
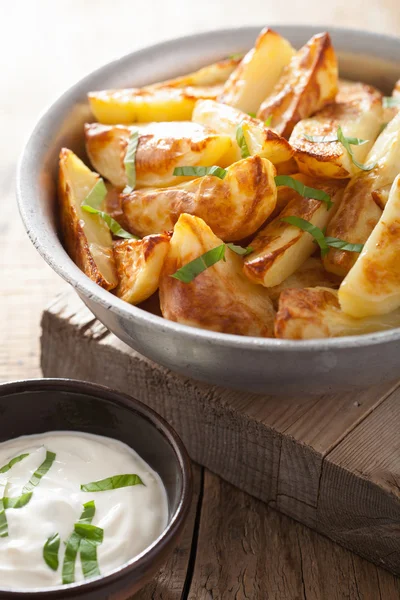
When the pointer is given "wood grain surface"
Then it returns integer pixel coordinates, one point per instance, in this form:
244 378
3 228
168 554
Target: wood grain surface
44 47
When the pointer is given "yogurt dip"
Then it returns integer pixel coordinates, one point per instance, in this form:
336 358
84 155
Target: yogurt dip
48 501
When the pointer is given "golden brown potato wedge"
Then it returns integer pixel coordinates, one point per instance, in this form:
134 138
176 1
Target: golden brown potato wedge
359 213
219 299
307 84
210 75
161 148
260 139
315 313
86 236
358 110
309 275
372 286
135 105
234 207
280 248
139 264
258 72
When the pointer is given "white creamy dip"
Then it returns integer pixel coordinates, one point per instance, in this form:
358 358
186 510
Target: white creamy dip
131 517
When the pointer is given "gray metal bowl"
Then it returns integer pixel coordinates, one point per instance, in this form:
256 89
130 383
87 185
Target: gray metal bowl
251 364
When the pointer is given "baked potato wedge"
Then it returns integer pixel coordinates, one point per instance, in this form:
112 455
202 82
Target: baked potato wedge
280 248
260 139
372 286
309 275
307 84
139 264
315 313
258 72
86 236
144 105
219 299
358 110
359 212
161 148
235 207
210 75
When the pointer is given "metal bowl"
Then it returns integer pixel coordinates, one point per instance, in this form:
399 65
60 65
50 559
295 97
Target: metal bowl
251 364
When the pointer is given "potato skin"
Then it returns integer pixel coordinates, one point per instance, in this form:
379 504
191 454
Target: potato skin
280 248
139 264
309 275
161 148
234 207
358 110
308 83
94 259
258 72
219 299
313 313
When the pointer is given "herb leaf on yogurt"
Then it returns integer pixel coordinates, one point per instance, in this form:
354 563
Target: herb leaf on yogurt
88 555
50 551
13 462
3 518
112 483
73 544
17 501
40 472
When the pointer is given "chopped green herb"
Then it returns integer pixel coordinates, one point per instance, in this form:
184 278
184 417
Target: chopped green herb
347 143
92 204
73 544
191 270
241 140
130 158
89 510
50 551
323 242
89 562
239 250
90 532
200 171
71 552
391 101
252 115
97 194
112 483
17 501
40 472
13 462
304 190
343 245
268 121
115 227
3 518
315 231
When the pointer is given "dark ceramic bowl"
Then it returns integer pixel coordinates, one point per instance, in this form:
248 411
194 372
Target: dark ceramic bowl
38 406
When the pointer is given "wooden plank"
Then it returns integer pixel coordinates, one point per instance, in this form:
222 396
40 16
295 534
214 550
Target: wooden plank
366 514
274 448
170 582
246 551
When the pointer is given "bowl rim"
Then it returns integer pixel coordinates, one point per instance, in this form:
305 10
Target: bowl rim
90 290
178 518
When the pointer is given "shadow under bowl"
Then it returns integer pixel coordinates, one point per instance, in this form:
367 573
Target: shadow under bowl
43 405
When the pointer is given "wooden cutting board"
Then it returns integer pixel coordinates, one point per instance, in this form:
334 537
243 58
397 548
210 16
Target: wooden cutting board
331 462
